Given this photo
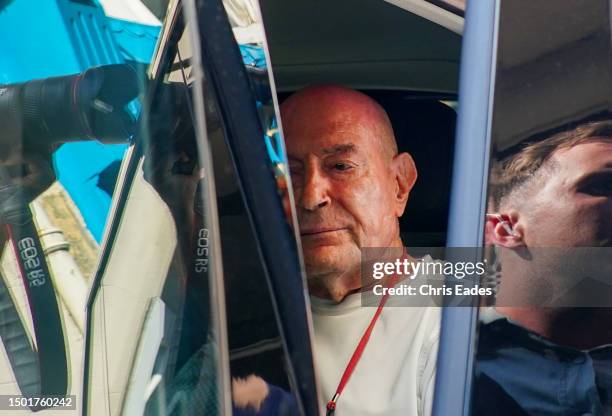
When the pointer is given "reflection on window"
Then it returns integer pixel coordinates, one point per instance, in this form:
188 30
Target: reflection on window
49 243
66 127
542 349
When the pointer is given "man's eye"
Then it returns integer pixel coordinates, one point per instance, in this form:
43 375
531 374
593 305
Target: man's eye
342 166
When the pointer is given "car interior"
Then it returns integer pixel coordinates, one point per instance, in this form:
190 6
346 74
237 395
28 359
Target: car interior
408 64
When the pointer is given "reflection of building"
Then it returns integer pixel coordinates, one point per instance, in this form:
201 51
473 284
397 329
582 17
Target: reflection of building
64 215
71 254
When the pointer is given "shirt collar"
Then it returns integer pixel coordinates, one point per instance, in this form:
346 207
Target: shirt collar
491 319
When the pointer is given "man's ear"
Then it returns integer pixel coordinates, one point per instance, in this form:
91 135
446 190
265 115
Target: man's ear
405 177
501 230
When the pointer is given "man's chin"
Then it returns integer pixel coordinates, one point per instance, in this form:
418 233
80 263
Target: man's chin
322 259
318 252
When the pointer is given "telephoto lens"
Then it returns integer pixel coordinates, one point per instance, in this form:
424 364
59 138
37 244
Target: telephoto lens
91 105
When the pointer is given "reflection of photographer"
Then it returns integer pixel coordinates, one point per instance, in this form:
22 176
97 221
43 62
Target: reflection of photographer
23 176
36 117
554 218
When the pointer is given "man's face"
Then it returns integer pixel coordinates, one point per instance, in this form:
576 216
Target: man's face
344 186
557 223
573 208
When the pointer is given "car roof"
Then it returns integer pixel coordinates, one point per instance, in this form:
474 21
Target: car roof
375 45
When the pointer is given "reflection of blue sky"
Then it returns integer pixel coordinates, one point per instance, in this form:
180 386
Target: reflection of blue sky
254 55
274 143
78 166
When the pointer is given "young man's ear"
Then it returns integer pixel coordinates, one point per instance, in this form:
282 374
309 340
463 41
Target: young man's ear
405 177
501 230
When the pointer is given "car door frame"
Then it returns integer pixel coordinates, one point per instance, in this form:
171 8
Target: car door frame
468 199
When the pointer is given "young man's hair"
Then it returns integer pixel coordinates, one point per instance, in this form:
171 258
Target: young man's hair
513 175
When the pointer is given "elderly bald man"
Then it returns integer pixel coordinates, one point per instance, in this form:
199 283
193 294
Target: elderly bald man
351 186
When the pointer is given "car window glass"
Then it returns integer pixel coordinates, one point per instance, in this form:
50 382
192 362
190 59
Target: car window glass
255 342
177 358
543 343
67 127
153 331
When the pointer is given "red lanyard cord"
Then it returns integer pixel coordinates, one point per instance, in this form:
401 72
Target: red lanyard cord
350 367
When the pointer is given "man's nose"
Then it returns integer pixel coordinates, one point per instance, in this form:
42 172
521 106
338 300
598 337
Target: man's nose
315 191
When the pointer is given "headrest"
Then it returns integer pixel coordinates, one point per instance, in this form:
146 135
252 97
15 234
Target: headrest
425 128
